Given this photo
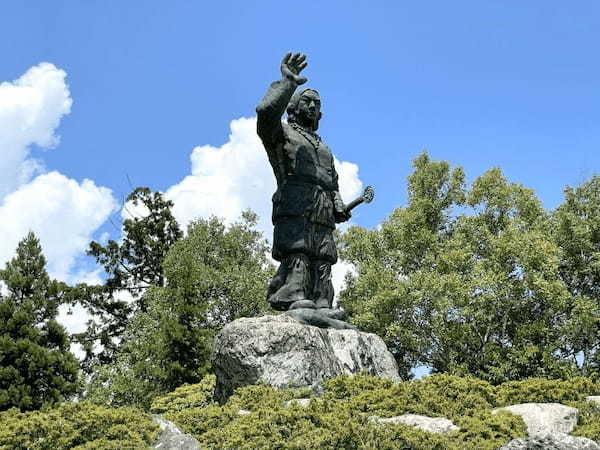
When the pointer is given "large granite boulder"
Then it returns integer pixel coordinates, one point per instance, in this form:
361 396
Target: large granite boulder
544 418
548 425
284 353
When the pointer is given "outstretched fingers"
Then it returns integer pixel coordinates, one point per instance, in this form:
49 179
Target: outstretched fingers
292 64
286 58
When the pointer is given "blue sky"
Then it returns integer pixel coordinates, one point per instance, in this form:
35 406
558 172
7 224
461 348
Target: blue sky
479 84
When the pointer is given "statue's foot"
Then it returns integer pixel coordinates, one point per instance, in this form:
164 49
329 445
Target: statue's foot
301 304
315 318
285 297
331 313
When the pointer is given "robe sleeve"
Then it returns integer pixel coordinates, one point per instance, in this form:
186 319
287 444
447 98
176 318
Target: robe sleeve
269 127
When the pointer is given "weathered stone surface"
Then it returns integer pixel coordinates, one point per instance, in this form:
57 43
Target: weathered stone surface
279 351
544 418
172 438
553 441
430 424
594 398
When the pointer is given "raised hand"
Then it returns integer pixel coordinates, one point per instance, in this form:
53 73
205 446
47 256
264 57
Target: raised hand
292 65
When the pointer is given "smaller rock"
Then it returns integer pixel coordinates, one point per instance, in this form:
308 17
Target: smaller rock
172 438
304 402
544 418
243 412
553 441
430 424
594 398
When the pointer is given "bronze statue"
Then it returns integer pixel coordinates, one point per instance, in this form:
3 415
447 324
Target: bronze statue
307 203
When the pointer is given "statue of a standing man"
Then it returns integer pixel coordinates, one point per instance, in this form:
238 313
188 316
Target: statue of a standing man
307 203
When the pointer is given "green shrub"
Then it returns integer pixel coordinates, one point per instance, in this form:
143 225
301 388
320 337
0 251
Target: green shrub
340 417
539 390
588 424
80 426
185 397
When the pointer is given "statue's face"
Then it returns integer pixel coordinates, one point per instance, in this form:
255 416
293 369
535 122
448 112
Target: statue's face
308 111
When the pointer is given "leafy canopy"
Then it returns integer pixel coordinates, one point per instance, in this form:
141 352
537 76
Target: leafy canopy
465 280
214 275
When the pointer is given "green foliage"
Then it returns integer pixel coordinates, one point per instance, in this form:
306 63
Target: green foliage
539 390
588 422
466 281
184 397
340 418
577 232
76 426
223 269
133 264
36 366
215 274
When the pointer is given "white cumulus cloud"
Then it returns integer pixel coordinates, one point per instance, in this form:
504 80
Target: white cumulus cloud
226 180
30 111
62 212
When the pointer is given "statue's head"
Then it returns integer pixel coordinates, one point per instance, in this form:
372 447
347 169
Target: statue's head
305 109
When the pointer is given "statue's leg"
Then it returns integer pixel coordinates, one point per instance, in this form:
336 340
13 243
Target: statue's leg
322 287
291 284
326 256
277 281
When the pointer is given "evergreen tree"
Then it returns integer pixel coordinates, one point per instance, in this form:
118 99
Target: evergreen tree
133 265
36 366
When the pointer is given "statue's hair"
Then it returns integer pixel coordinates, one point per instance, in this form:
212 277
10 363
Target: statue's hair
293 105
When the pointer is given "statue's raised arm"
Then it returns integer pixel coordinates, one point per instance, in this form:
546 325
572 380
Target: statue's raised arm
271 108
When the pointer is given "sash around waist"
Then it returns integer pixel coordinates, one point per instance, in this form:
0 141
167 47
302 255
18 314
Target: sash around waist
305 181
296 198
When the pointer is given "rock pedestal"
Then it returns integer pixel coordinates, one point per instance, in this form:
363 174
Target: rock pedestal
279 351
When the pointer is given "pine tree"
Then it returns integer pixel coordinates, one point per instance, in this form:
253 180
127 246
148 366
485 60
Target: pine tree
36 366
133 265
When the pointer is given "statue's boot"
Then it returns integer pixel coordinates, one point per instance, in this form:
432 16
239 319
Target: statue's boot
322 285
332 313
323 291
295 270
